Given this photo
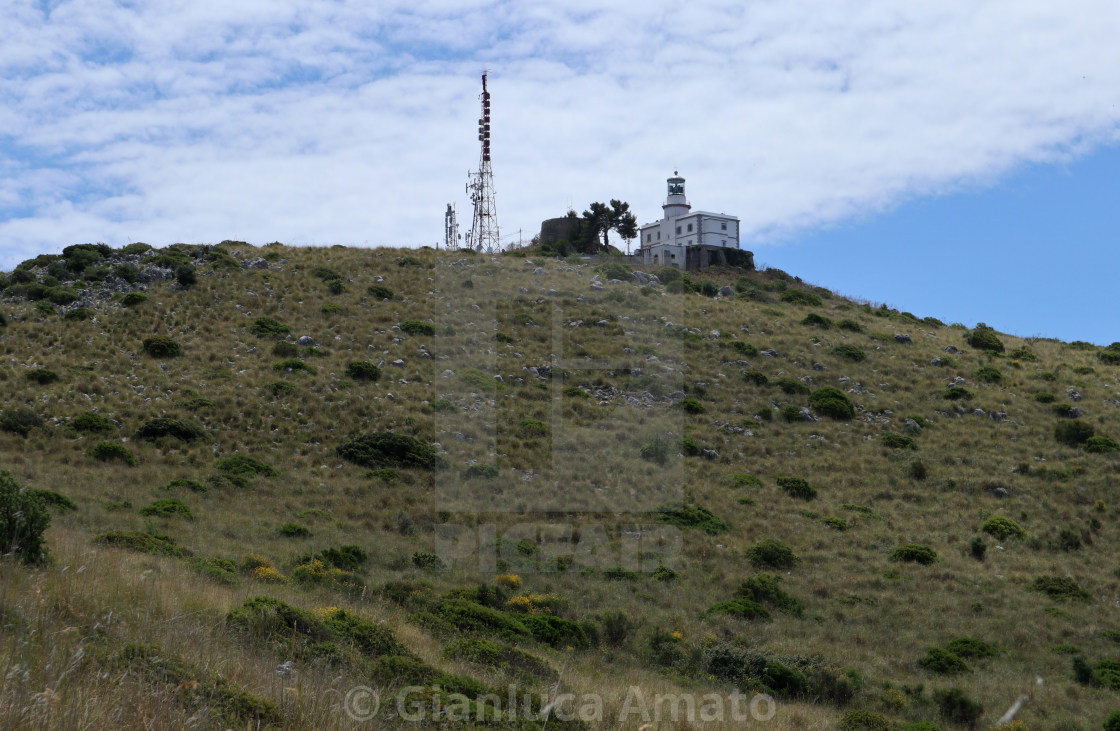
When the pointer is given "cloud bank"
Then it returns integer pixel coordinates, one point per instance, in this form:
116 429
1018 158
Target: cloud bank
336 122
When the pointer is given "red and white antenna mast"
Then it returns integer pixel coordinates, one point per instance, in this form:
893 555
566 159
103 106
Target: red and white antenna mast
480 187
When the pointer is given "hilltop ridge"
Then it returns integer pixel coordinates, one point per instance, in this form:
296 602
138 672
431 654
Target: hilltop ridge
468 473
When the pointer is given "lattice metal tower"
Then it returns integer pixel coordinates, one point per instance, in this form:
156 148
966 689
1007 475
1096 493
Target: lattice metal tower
480 187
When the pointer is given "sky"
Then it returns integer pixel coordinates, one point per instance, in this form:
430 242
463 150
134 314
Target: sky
959 159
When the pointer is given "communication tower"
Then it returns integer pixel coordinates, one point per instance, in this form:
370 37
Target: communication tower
480 187
450 229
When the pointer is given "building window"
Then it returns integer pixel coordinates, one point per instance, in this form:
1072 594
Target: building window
724 242
723 225
690 228
649 237
659 235
674 256
690 242
678 230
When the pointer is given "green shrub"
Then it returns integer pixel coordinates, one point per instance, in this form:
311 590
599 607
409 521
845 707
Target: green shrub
987 374
977 548
280 388
293 365
801 297
744 349
428 561
691 516
1023 354
268 327
850 352
161 346
758 378
482 471
361 370
52 499
850 325
835 523
532 428
914 553
388 449
556 631
763 588
497 656
984 338
1002 528
792 386
294 530
855 720
416 327
347 558
92 423
245 465
183 483
1100 444
792 414
113 451
897 441
168 508
42 376
78 314
832 402
956 707
165 427
1112 723
742 609
141 542
744 479
221 570
576 392
918 470
1045 398
186 276
957 393
655 449
380 291
19 420
771 554
1060 588
970 647
817 321
691 406
1073 433
797 487
23 520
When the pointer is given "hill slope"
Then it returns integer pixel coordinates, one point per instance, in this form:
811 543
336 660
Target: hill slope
467 473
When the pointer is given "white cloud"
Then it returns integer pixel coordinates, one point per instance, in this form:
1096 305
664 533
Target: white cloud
338 122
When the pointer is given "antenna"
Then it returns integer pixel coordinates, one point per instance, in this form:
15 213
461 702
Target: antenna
450 229
480 186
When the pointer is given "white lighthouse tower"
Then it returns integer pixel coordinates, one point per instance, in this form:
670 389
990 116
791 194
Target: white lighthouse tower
676 205
689 239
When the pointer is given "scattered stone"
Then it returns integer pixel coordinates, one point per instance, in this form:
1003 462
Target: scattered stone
540 271
1073 394
950 349
255 264
770 353
726 291
818 366
709 454
398 363
936 361
1000 492
644 278
903 338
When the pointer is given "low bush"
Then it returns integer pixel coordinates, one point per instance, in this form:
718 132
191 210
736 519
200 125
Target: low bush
280 388
416 327
388 449
162 426
245 465
850 352
113 451
741 609
792 386
655 449
361 370
480 471
1101 444
183 483
497 656
972 648
984 338
1073 433
23 520
957 393
168 508
956 707
556 631
1045 398
1060 588
758 378
763 588
744 349
78 314
744 479
987 374
939 660
797 487
801 297
771 554
19 420
91 423
141 542
832 402
691 406
897 441
42 376
380 291
161 346
914 553
294 530
293 365
53 499
268 327
816 320
1002 528
691 516
134 298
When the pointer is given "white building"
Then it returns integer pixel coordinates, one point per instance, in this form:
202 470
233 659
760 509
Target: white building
685 238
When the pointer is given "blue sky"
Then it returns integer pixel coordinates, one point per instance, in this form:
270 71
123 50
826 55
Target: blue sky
957 159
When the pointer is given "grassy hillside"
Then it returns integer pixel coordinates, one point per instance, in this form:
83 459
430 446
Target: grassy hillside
464 474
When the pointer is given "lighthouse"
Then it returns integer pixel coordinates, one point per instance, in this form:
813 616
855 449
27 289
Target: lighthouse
689 239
